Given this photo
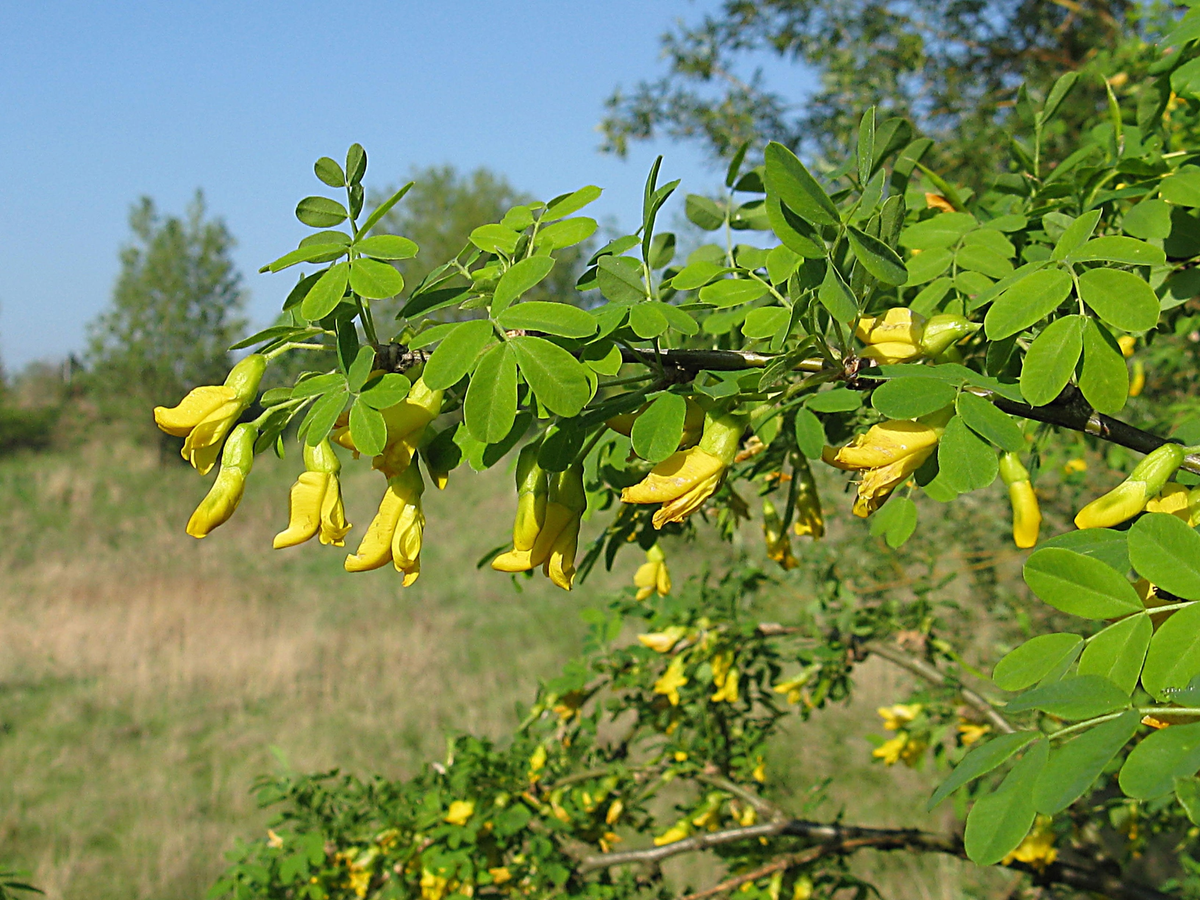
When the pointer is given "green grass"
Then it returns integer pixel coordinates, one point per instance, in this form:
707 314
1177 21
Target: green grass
145 677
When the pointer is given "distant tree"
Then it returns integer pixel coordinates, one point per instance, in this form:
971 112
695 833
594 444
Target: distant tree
175 310
952 67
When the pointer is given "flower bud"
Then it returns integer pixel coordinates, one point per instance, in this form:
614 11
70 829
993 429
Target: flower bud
226 493
1129 498
943 331
1027 516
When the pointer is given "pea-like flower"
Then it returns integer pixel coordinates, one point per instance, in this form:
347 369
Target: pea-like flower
671 681
205 416
1130 497
898 715
779 545
1027 516
394 535
686 478
810 518
725 678
532 490
1178 501
901 335
1037 849
663 641
887 455
460 812
652 575
557 537
226 493
405 422
315 503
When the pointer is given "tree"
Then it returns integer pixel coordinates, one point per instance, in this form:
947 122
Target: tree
175 310
952 68
928 340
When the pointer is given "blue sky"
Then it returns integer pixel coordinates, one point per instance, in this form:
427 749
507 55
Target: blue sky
104 102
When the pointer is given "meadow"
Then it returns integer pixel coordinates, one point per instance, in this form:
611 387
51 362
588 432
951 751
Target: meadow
147 678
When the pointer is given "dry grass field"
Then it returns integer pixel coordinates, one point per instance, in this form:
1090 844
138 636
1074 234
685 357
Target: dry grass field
147 678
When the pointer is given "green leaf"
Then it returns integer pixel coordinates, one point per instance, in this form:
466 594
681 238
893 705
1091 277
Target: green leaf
965 461
1104 378
697 274
1027 301
657 431
794 232
356 163
1074 767
810 434
1153 765
790 181
367 428
907 398
561 445
1058 93
703 212
928 265
324 296
566 233
896 522
835 295
676 317
732 292
1080 585
1174 655
1187 792
320 418
1078 698
490 406
1104 544
764 323
999 821
387 390
360 367
988 422
553 318
387 246
568 203
330 172
558 379
662 250
877 257
1120 298
456 354
1117 652
384 208
1075 234
1183 187
1028 664
980 761
375 280
1164 550
942 230
866 145
1050 360
495 238
519 278
321 212
319 384
307 253
835 400
620 279
1150 219
1118 249
647 321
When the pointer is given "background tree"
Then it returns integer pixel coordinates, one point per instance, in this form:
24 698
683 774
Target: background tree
952 67
175 310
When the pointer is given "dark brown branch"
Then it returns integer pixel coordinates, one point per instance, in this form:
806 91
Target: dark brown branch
843 840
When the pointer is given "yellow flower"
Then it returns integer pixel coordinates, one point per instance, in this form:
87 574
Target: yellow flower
676 832
894 337
792 687
889 751
725 678
1138 382
1037 849
532 488
500 874
614 812
686 478
810 519
1027 516
888 454
779 546
394 535
315 503
226 493
1174 500
652 575
557 536
1127 343
1075 466
207 413
433 886
895 717
1129 498
803 889
537 762
760 771
663 641
460 812
970 732
406 422
671 681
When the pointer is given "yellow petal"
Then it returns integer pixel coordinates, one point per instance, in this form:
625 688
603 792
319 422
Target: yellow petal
1027 516
877 484
898 325
376 547
334 526
304 509
199 404
674 476
219 504
558 518
560 566
513 561
886 443
1123 502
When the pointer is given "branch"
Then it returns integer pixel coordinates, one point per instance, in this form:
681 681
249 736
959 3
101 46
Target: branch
843 840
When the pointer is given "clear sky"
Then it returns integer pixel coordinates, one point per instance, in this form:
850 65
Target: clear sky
101 103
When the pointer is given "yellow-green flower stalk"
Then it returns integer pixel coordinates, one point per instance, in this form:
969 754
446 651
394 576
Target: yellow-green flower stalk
686 478
207 413
779 545
226 493
1129 498
1027 516
394 535
652 575
315 503
810 518
532 489
557 534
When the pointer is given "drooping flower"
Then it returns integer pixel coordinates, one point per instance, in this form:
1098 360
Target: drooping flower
898 715
460 812
663 641
1138 382
557 537
676 832
652 575
1130 497
725 678
686 478
315 503
405 422
226 493
532 489
395 533
901 335
971 732
902 748
671 681
1178 501
205 416
779 546
810 518
1027 516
